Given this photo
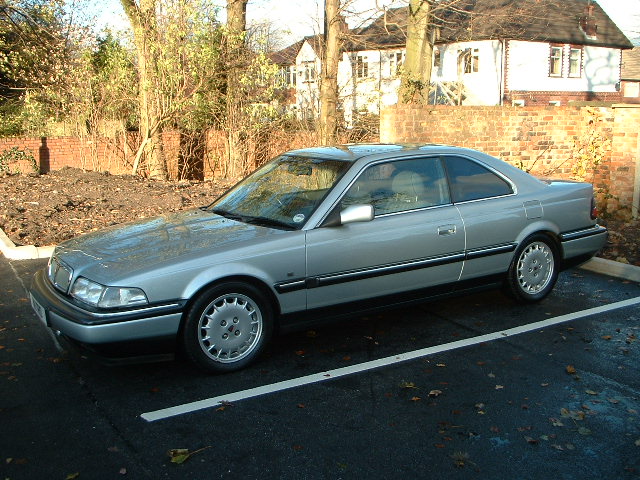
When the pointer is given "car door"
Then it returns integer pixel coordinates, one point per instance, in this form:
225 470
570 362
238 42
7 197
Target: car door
415 241
493 215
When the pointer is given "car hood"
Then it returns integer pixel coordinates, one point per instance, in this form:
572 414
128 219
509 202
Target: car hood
142 244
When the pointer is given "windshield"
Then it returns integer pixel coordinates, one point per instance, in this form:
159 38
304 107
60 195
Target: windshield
283 193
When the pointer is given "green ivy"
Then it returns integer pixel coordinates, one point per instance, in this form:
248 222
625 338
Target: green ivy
15 156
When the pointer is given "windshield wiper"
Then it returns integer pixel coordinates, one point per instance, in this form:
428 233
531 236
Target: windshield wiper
229 215
269 222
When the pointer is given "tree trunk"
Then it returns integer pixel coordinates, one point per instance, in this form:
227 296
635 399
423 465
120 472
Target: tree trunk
143 22
416 76
236 137
329 77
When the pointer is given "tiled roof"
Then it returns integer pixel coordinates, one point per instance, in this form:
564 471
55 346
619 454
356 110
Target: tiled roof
631 64
287 55
579 22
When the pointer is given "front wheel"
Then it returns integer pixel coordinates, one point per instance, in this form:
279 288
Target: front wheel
227 327
534 269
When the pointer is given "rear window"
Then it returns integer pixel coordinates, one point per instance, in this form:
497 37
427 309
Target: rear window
472 181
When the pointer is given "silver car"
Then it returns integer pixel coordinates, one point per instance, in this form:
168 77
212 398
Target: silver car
315 233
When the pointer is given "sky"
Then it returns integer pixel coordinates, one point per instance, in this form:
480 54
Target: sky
297 18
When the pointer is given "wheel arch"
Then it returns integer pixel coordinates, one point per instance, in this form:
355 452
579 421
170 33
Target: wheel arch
261 286
548 230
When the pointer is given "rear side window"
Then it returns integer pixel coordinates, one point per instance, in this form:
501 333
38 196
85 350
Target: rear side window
472 181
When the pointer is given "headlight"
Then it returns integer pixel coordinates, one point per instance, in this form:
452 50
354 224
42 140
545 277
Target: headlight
106 297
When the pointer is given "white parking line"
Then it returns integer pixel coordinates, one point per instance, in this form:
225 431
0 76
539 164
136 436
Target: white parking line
382 362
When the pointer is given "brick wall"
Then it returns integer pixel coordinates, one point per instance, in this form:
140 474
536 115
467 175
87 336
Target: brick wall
55 153
117 155
546 141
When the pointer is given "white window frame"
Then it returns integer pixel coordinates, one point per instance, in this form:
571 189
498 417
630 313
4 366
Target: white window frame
575 64
361 66
556 53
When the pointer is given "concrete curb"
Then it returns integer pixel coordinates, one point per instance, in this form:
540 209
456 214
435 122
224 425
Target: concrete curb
27 252
596 264
613 269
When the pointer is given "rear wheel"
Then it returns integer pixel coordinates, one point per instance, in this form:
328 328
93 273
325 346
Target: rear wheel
227 327
534 269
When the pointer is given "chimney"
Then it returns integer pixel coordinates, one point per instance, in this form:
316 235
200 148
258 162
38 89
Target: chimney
588 22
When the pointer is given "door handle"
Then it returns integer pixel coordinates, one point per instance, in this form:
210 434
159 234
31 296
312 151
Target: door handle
446 230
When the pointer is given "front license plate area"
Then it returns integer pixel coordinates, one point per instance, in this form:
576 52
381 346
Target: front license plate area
39 309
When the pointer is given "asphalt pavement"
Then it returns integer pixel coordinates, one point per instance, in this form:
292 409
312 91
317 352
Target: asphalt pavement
495 390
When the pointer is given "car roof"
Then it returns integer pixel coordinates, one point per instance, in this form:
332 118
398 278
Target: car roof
354 151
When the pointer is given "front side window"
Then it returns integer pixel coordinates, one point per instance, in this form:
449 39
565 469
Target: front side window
437 58
395 63
283 193
399 186
575 62
555 62
472 181
469 60
362 67
309 72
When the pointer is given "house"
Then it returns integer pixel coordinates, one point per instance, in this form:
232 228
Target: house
486 52
630 76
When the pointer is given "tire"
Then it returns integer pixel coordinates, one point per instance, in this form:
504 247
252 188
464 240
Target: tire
227 327
534 269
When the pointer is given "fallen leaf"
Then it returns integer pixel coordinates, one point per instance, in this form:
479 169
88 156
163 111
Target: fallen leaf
556 423
73 476
591 392
531 440
301 405
637 443
300 352
407 385
571 369
123 471
499 387
584 431
415 399
441 364
181 455
491 375
606 337
439 445
435 393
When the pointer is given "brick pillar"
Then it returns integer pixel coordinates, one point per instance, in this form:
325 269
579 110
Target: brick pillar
625 159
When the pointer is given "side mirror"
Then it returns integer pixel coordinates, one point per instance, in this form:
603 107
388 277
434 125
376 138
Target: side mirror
356 213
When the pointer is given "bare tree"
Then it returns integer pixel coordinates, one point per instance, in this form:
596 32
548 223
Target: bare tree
236 32
329 78
416 75
145 34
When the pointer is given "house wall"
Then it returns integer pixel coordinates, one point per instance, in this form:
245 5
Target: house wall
483 87
528 69
307 86
367 94
546 141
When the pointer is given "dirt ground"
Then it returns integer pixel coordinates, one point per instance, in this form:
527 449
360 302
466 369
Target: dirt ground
47 209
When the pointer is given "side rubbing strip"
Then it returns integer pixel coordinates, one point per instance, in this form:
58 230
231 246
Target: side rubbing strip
391 269
488 251
582 233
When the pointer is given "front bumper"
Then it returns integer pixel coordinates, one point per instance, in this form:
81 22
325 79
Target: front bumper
99 327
